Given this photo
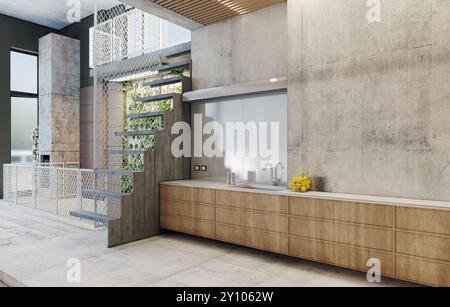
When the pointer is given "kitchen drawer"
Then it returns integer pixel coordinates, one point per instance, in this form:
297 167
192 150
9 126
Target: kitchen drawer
423 245
425 220
267 241
356 235
423 271
253 201
187 194
367 214
252 219
187 225
340 255
187 209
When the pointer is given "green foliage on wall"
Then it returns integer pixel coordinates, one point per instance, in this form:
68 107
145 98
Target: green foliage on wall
135 90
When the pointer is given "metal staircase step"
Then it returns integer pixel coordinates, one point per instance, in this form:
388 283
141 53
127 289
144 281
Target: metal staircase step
101 194
166 81
170 67
155 98
91 216
126 152
136 133
113 172
146 115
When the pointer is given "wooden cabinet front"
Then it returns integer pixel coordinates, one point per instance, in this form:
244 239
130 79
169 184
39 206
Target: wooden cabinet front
268 241
412 244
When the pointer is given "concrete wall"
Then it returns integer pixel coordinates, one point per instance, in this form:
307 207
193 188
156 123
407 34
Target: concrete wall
87 127
80 31
246 48
369 104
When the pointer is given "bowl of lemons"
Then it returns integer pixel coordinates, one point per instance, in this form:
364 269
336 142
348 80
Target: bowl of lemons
301 184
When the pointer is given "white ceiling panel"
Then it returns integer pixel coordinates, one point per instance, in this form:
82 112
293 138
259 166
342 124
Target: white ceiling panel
50 13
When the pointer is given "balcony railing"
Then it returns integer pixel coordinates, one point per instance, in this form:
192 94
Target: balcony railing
60 191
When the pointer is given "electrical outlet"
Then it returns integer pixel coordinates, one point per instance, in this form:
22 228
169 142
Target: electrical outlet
204 168
197 168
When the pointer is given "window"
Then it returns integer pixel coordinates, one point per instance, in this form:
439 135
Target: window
24 73
24 104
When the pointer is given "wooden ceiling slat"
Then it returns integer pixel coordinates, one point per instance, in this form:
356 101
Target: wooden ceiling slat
212 19
211 11
211 5
193 4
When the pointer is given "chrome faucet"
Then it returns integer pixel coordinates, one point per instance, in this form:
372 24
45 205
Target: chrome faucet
277 180
269 168
273 173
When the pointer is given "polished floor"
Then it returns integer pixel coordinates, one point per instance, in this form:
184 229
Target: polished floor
35 249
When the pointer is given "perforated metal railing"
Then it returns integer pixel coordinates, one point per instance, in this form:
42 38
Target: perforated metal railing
60 191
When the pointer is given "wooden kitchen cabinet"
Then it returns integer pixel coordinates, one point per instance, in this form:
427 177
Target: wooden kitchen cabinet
343 211
412 244
263 240
342 233
340 255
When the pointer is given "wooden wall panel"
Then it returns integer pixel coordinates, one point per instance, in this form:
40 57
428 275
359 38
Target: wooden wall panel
114 233
151 219
139 206
127 219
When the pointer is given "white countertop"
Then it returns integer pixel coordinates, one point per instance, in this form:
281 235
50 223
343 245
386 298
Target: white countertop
217 185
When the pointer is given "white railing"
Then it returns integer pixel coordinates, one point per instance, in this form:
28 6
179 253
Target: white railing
61 164
60 191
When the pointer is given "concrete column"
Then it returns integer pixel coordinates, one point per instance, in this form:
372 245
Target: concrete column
59 98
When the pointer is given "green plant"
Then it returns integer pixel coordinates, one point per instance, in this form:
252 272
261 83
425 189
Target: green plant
134 91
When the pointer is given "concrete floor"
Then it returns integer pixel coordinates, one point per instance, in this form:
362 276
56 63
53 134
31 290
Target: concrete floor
35 247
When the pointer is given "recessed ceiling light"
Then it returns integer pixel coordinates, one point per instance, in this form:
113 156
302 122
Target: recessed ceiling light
274 80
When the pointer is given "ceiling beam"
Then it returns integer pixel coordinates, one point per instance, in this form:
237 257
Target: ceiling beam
157 10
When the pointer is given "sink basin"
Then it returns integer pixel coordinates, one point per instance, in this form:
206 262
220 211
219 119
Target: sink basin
262 187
